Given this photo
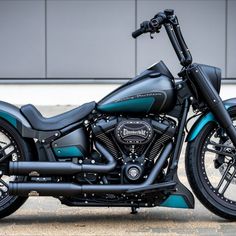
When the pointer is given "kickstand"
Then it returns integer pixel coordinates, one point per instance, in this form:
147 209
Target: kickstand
134 210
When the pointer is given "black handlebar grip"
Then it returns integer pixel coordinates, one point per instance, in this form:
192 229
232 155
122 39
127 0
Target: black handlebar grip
137 33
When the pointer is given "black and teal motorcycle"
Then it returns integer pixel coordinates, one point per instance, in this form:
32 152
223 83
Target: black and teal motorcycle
124 150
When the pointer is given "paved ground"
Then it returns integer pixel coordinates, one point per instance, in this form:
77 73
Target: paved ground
45 216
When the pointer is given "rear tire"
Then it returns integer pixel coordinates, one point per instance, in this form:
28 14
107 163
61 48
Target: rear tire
199 180
21 151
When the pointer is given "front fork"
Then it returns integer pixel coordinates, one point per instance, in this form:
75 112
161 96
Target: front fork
213 100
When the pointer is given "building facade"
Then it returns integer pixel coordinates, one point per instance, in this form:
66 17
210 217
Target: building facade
54 47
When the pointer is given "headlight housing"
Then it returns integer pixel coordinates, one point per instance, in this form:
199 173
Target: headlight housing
214 75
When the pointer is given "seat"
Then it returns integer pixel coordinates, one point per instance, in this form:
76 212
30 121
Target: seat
58 122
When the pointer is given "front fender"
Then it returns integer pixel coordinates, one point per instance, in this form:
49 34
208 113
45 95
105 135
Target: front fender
12 115
205 119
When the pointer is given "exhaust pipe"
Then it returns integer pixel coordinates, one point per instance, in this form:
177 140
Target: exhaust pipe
44 189
70 189
59 168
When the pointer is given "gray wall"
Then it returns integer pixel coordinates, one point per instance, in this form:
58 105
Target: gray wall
92 38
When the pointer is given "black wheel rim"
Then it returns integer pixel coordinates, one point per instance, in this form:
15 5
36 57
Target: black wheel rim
217 167
9 151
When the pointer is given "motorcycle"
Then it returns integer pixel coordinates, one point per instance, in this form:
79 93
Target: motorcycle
124 150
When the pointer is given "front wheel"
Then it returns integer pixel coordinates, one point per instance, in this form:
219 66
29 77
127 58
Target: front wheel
211 169
12 148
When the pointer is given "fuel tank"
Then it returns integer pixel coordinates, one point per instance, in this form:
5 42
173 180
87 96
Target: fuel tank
152 92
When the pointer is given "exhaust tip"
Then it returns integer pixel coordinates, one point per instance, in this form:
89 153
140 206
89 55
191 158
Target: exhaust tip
12 189
12 167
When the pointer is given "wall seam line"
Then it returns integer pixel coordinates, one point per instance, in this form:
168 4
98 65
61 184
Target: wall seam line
136 42
45 39
226 38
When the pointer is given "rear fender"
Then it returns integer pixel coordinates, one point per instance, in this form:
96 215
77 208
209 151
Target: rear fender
205 119
13 116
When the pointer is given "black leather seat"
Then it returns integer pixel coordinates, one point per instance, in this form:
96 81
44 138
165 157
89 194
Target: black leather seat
57 122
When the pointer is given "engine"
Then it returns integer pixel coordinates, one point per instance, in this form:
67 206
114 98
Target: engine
134 142
133 132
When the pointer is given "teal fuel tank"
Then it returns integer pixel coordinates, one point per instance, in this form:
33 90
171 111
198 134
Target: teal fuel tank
151 92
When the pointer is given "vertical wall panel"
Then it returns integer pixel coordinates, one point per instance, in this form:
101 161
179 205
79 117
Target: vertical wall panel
22 38
231 52
91 38
203 27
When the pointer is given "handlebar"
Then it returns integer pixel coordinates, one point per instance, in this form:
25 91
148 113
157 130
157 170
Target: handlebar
152 26
144 28
170 21
137 33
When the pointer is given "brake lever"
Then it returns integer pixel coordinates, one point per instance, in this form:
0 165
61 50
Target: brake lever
151 33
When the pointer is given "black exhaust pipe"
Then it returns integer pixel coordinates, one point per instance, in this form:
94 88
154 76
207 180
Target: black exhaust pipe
44 189
62 168
69 189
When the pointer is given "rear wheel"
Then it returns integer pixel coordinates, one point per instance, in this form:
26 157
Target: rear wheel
211 169
12 148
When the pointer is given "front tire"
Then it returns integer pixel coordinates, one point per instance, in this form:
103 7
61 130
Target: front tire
203 170
14 148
